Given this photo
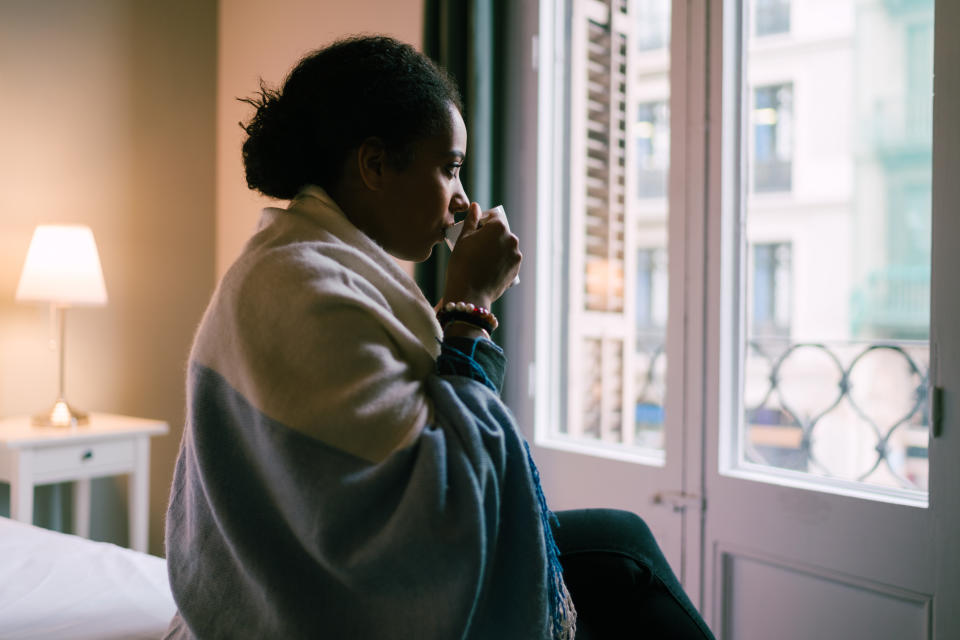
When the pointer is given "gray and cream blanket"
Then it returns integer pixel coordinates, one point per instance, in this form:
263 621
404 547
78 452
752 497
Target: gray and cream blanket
329 483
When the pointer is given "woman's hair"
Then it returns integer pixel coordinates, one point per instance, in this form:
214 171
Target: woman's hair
333 100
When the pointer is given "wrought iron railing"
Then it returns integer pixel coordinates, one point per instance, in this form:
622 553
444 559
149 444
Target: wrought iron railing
850 409
853 410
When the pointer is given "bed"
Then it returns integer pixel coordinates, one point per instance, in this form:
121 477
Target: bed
63 587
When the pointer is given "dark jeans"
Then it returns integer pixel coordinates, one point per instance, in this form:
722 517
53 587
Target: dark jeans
621 585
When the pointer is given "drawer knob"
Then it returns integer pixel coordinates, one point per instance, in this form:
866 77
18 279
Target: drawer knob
87 455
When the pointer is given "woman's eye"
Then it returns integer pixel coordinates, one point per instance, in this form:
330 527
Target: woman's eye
453 169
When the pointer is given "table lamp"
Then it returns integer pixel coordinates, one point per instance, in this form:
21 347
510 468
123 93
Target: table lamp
63 269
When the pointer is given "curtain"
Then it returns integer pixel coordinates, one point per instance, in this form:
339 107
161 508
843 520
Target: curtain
464 37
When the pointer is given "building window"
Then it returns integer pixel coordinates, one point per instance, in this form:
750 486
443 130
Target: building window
653 149
653 24
651 292
772 308
650 355
772 17
773 140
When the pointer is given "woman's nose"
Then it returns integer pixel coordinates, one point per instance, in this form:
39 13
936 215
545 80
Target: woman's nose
459 202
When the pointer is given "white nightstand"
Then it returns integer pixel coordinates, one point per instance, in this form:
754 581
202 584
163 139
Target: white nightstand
109 445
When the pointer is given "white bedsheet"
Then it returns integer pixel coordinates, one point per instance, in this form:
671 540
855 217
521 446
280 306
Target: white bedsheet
62 587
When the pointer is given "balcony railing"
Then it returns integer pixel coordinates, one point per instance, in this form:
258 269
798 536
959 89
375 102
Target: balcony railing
901 125
852 410
893 301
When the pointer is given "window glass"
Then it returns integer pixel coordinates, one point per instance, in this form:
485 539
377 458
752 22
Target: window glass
772 295
653 149
837 231
616 227
653 25
772 137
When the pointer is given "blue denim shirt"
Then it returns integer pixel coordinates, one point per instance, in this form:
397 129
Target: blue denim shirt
475 358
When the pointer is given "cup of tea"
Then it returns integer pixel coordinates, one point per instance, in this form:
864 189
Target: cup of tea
452 233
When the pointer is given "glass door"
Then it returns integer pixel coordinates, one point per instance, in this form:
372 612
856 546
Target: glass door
819 380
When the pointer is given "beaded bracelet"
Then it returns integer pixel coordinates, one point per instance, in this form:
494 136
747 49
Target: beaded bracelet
469 313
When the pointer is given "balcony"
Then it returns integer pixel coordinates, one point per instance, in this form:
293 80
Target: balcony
893 302
854 410
899 128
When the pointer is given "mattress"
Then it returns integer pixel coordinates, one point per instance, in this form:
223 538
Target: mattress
63 587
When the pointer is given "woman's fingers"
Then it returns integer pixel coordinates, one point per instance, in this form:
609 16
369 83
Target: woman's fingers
485 260
472 221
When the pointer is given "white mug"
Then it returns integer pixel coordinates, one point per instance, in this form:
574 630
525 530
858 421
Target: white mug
452 233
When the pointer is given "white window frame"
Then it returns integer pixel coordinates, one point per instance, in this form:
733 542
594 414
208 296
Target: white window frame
552 349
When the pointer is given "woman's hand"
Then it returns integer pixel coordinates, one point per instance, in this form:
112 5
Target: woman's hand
484 261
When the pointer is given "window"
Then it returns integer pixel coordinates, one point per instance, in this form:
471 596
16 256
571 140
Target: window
653 149
772 138
772 303
650 353
651 291
836 347
772 16
832 327
614 316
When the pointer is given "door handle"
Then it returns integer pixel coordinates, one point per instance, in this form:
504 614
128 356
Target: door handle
937 411
680 501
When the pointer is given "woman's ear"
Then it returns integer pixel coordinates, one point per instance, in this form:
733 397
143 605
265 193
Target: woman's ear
371 161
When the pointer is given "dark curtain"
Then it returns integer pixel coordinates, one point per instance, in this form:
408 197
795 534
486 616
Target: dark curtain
466 38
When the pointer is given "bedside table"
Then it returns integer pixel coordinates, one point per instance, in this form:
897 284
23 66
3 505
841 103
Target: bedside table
108 445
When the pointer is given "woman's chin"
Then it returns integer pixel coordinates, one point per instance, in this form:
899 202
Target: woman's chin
424 254
413 255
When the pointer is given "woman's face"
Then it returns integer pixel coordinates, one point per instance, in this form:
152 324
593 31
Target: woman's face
422 198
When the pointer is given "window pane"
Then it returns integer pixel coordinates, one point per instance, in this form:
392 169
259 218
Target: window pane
653 149
616 314
838 240
772 16
772 137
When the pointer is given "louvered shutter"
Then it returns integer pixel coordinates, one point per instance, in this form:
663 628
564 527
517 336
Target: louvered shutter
600 327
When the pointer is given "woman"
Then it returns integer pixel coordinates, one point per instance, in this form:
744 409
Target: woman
347 469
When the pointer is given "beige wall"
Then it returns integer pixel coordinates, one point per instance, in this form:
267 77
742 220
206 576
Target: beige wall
122 115
107 119
265 39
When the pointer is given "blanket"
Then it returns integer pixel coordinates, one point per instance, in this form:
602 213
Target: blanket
329 482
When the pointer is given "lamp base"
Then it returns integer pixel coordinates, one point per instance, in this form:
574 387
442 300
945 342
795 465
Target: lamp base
61 415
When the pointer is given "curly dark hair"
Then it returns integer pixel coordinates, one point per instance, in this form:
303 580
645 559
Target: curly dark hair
334 99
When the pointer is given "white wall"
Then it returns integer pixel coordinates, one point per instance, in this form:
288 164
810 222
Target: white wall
265 40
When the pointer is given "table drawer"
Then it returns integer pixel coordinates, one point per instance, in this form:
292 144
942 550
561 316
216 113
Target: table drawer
93 455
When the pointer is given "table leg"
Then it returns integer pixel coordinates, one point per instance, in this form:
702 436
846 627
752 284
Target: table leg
139 495
21 487
81 507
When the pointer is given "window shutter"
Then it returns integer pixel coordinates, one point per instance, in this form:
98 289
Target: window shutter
600 329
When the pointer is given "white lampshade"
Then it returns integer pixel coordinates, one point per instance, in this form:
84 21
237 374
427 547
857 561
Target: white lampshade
62 267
